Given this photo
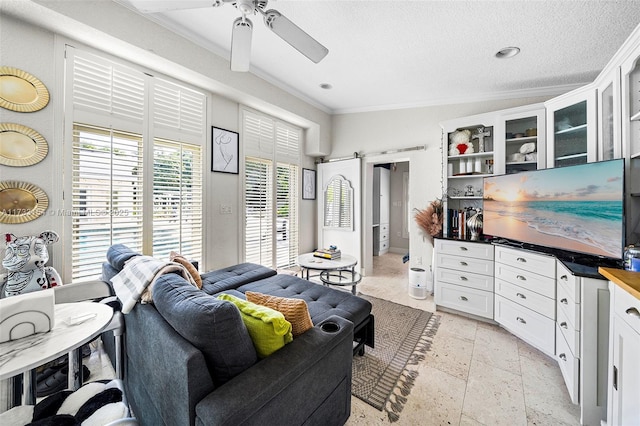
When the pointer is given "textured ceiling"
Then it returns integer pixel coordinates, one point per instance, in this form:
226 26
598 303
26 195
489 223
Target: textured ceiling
394 54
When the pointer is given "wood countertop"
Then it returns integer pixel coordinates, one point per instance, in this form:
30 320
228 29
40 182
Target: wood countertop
628 280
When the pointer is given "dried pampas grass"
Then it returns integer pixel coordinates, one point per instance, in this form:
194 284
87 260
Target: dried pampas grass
430 219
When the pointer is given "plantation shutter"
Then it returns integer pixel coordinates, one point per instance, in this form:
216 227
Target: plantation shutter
124 118
259 211
271 161
177 199
106 196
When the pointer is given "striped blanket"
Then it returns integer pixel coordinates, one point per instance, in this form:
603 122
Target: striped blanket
135 281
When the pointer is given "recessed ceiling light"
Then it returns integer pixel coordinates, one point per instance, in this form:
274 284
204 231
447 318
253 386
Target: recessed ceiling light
508 52
326 86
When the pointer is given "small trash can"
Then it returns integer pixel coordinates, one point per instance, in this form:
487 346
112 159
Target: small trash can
418 283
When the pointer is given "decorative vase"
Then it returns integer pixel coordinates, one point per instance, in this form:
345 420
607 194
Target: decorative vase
474 225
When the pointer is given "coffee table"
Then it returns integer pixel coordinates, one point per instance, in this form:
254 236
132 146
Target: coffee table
75 324
341 278
309 262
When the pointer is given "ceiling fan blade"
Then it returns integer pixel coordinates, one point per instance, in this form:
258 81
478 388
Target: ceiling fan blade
294 35
158 6
241 45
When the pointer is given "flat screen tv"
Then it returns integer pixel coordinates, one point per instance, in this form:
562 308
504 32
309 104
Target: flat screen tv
576 208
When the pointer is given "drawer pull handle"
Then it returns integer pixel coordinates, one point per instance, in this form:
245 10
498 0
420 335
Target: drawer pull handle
463 248
562 357
564 278
522 260
464 264
464 279
521 296
521 278
521 320
564 301
633 312
464 299
563 324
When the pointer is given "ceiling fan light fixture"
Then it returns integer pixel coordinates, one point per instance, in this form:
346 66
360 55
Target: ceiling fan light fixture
245 7
241 44
294 35
507 52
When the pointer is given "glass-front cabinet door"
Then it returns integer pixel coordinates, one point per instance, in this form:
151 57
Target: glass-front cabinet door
522 137
609 137
571 128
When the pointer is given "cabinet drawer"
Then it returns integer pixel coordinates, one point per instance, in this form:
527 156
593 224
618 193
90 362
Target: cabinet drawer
569 366
522 296
465 299
384 228
570 309
466 279
527 261
465 248
534 282
464 264
627 307
530 326
384 235
384 246
569 281
571 335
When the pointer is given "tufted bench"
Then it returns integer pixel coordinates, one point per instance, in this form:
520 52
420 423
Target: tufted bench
322 301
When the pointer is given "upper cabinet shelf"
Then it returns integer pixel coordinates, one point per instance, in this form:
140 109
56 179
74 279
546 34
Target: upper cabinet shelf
474 155
582 127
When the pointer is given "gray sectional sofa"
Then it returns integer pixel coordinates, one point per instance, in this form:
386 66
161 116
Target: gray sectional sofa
188 362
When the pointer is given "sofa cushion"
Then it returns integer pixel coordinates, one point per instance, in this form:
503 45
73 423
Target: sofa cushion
233 277
178 258
118 254
294 310
213 326
267 327
322 301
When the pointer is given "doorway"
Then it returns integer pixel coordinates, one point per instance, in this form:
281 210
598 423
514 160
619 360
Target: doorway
395 239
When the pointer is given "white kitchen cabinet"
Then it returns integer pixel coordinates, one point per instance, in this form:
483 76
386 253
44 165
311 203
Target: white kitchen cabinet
525 296
624 369
464 277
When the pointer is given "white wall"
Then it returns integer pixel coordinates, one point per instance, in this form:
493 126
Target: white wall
373 132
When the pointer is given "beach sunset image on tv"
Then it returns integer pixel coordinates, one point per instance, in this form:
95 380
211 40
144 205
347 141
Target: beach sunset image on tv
576 208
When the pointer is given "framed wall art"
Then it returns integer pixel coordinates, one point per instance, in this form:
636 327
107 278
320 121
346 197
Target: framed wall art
308 184
224 151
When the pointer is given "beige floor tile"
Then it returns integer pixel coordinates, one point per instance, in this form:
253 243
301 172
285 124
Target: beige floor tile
451 355
468 421
458 326
495 347
545 393
494 396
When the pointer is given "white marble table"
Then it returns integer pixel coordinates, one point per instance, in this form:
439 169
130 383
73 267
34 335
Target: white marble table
308 262
24 355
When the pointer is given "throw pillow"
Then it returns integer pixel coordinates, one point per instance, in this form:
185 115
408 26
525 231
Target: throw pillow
268 328
178 258
213 326
294 310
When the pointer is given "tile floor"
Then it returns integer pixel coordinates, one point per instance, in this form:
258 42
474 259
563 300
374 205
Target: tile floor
475 374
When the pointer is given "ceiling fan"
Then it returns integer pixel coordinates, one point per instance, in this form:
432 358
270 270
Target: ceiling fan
243 27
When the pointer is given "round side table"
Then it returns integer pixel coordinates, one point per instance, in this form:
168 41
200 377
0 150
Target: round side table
341 278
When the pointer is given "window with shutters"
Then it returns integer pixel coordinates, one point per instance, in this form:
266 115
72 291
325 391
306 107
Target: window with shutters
136 171
271 190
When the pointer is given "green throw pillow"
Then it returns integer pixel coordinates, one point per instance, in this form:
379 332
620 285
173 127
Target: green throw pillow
267 327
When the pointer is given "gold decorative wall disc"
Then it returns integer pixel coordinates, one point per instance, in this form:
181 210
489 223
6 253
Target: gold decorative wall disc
21 92
21 202
21 145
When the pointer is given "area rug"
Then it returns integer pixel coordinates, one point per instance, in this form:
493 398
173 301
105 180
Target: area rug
384 376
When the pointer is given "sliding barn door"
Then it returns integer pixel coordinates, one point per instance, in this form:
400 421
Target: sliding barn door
334 228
